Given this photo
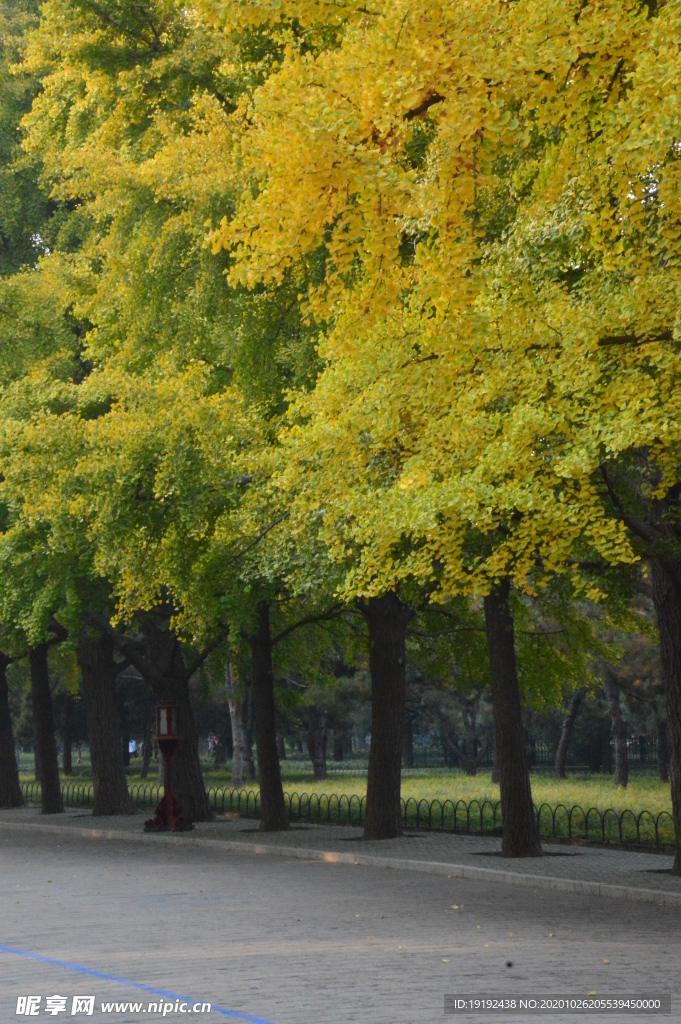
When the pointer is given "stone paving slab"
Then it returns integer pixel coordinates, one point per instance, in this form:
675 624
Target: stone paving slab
606 872
273 940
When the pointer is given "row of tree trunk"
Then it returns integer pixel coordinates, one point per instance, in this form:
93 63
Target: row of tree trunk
47 765
620 732
387 620
161 662
164 669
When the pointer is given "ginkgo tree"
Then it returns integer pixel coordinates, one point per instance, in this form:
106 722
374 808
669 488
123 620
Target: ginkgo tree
428 356
55 395
164 424
496 191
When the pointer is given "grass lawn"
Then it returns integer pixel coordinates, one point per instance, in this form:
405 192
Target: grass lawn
594 794
644 792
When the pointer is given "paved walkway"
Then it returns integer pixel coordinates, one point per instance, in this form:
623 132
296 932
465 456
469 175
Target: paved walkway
293 941
622 874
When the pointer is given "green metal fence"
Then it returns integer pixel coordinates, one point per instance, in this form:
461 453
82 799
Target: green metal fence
474 817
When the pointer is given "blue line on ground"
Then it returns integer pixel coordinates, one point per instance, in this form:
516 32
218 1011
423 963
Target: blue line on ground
131 984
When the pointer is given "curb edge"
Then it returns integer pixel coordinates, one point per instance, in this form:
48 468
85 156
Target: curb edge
660 897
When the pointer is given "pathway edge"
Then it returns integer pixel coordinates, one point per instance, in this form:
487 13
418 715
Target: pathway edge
660 897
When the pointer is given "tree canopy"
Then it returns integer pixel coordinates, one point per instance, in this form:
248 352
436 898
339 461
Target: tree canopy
307 303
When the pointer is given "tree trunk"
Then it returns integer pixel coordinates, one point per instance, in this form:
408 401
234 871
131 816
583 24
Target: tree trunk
188 782
496 773
67 754
236 713
408 743
663 749
387 619
36 755
10 788
619 727
469 763
220 759
170 682
469 751
460 754
162 768
595 754
273 814
248 718
568 729
281 747
98 671
667 600
147 746
43 724
520 829
338 745
606 750
123 729
316 741
187 777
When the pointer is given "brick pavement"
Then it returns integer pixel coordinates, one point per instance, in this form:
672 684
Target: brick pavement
602 869
302 942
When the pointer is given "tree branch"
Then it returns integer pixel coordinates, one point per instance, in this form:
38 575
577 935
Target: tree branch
122 665
263 533
636 525
60 632
97 9
420 359
446 632
430 101
201 657
130 649
332 613
635 339
466 759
